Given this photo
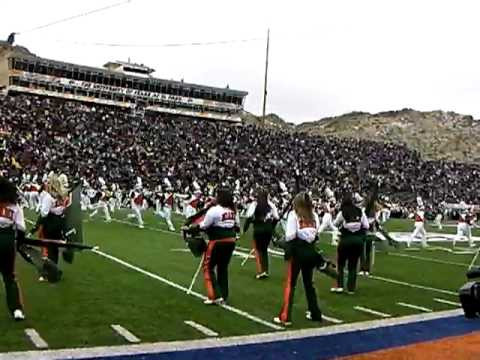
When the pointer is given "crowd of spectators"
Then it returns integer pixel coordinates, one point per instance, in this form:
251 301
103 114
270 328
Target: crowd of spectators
91 140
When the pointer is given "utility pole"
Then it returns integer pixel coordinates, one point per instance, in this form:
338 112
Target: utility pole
266 76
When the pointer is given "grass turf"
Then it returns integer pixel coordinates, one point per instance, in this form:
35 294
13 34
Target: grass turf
97 292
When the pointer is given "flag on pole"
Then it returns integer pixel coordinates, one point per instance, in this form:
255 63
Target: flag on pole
73 231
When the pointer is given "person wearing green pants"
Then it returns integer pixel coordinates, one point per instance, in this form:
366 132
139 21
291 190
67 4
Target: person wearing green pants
263 215
12 229
353 224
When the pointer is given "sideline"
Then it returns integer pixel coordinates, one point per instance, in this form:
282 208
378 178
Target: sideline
148 351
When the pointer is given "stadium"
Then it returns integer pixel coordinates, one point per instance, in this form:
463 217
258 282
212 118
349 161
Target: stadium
144 218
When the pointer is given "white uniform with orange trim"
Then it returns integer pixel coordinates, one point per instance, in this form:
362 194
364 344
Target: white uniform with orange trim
12 216
419 231
215 216
296 229
220 224
50 205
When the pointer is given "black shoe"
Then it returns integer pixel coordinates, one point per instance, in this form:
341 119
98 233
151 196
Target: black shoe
318 317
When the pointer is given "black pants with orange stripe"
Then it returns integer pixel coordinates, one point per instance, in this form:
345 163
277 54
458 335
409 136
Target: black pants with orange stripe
7 269
304 258
215 267
261 241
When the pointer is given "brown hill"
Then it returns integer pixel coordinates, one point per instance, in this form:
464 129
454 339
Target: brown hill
435 134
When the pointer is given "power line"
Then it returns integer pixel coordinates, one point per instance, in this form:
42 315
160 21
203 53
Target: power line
76 16
201 43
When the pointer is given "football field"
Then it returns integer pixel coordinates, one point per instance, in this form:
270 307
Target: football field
138 279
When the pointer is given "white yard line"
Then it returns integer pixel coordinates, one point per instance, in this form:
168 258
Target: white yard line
443 301
416 307
163 347
124 333
146 227
412 285
274 253
372 312
332 320
203 329
184 289
428 259
36 339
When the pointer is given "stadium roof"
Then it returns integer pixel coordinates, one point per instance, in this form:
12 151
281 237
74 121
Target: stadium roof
24 53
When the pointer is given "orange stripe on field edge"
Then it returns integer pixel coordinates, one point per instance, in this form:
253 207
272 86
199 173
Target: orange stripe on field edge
465 347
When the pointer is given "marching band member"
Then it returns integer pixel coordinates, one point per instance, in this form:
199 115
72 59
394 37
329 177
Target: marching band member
464 227
419 230
111 198
264 216
220 226
103 200
191 205
301 233
164 206
12 229
353 224
438 219
137 205
327 223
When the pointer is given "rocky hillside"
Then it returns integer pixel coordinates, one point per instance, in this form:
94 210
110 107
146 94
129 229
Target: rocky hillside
436 134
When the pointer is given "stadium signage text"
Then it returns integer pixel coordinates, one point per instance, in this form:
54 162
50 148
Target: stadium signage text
89 86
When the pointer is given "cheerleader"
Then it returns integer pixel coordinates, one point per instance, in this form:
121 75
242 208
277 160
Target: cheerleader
51 221
221 227
263 215
353 224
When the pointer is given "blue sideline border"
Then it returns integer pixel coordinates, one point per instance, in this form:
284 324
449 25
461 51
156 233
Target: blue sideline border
322 343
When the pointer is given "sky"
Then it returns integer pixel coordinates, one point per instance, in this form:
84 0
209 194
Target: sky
326 57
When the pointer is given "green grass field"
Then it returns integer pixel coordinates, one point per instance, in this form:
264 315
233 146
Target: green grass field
97 292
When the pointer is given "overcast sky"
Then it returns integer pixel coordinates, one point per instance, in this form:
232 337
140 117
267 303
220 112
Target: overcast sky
326 58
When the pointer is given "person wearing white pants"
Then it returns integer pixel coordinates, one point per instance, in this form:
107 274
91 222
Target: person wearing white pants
438 220
102 204
464 228
327 225
136 203
419 231
191 205
164 207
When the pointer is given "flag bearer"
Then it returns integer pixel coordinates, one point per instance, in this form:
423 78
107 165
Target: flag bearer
12 229
52 215
301 233
221 227
264 216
